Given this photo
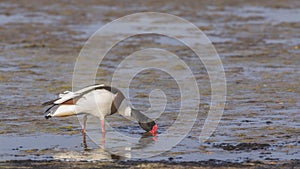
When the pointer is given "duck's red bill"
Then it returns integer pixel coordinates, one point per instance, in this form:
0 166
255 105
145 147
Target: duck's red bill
154 129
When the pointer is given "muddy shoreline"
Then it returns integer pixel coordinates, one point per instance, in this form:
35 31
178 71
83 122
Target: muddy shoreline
258 43
295 164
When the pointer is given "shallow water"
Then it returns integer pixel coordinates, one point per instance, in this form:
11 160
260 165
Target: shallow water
259 46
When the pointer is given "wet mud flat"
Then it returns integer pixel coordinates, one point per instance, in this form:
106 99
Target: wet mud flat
259 44
147 164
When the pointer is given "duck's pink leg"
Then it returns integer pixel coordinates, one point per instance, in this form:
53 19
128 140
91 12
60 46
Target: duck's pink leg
102 126
102 143
84 124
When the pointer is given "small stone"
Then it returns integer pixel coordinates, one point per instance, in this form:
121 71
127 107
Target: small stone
269 122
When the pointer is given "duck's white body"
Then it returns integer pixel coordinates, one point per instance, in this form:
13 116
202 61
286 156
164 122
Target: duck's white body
91 103
96 100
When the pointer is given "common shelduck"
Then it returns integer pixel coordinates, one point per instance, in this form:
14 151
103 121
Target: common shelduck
97 100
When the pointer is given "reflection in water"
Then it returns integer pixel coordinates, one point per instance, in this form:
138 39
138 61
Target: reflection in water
146 140
100 154
102 141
